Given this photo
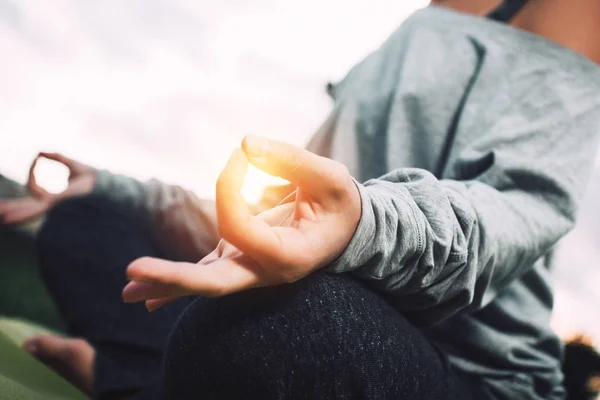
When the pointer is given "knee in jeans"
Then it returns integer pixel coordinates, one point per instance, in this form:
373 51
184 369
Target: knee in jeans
249 313
260 335
76 228
66 217
79 212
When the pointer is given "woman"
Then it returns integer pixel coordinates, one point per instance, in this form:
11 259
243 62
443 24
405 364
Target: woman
474 140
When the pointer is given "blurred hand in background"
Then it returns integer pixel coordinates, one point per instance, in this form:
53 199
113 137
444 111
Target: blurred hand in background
39 200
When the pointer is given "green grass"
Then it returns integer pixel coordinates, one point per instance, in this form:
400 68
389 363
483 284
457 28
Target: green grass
21 375
23 296
22 292
26 309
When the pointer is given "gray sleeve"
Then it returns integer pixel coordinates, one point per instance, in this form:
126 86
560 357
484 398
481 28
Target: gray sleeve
440 246
183 225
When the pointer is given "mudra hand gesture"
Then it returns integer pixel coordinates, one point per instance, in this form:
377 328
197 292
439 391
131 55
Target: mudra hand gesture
40 201
277 246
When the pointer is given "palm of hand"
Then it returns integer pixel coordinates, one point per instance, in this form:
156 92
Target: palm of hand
298 231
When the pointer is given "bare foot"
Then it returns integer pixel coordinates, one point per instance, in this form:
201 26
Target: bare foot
73 359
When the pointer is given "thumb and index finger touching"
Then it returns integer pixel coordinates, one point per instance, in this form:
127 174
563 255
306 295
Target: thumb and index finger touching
318 176
73 166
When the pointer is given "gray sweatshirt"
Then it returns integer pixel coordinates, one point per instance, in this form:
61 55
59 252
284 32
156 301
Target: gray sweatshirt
474 141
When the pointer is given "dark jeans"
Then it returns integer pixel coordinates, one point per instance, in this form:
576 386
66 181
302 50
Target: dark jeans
325 337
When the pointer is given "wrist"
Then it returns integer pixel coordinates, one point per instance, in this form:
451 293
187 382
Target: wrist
362 236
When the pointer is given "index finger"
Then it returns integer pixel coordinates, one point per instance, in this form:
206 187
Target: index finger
66 161
318 175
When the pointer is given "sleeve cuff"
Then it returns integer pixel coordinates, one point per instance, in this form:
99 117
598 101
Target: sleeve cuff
354 255
103 182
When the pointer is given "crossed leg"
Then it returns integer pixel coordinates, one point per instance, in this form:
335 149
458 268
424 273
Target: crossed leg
326 337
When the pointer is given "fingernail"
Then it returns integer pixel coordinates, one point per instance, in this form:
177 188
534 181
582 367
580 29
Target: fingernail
255 147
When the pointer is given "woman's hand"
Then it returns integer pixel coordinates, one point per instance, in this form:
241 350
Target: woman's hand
39 201
278 246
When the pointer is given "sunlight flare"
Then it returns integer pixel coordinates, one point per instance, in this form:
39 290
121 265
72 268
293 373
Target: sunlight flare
255 183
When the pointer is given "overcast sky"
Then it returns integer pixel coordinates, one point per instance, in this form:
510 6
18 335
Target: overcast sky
167 88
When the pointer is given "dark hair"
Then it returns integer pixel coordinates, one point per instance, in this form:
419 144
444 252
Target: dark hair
581 367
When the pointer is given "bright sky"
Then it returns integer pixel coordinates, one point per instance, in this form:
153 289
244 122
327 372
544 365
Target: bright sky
167 89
